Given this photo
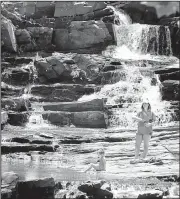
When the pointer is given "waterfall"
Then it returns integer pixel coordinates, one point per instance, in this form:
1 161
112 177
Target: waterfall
137 42
121 18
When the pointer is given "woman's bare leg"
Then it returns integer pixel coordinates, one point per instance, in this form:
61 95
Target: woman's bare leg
146 139
137 145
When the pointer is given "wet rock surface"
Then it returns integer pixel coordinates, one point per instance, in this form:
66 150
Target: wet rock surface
47 160
170 90
7 35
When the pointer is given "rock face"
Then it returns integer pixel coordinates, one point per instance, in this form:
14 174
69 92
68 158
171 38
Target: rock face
16 104
82 34
174 26
37 189
17 76
77 8
140 13
94 190
18 119
170 76
93 105
170 90
44 9
8 38
42 37
23 36
52 69
61 92
88 119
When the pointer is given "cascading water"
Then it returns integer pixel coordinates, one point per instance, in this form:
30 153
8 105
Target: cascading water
140 41
137 42
121 18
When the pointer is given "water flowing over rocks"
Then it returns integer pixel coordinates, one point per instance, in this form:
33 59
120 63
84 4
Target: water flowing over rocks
8 39
60 108
173 23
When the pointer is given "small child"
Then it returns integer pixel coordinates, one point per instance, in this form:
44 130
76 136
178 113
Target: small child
102 162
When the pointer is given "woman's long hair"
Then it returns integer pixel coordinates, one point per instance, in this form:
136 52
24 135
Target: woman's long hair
149 106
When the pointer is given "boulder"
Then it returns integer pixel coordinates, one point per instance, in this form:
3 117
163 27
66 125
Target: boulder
59 119
88 119
82 34
141 13
17 76
92 105
18 119
94 190
91 65
37 188
52 69
170 90
155 194
22 36
8 36
42 37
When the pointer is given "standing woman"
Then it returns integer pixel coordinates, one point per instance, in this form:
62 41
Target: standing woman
145 119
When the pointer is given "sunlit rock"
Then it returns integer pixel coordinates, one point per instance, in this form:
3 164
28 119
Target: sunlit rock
82 34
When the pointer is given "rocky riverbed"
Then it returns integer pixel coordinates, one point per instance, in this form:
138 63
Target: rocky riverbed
71 82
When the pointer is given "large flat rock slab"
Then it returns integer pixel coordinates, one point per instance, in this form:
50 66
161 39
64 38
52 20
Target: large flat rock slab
85 119
62 92
91 105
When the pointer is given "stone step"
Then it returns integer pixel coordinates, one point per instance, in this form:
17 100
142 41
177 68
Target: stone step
92 105
86 119
62 92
